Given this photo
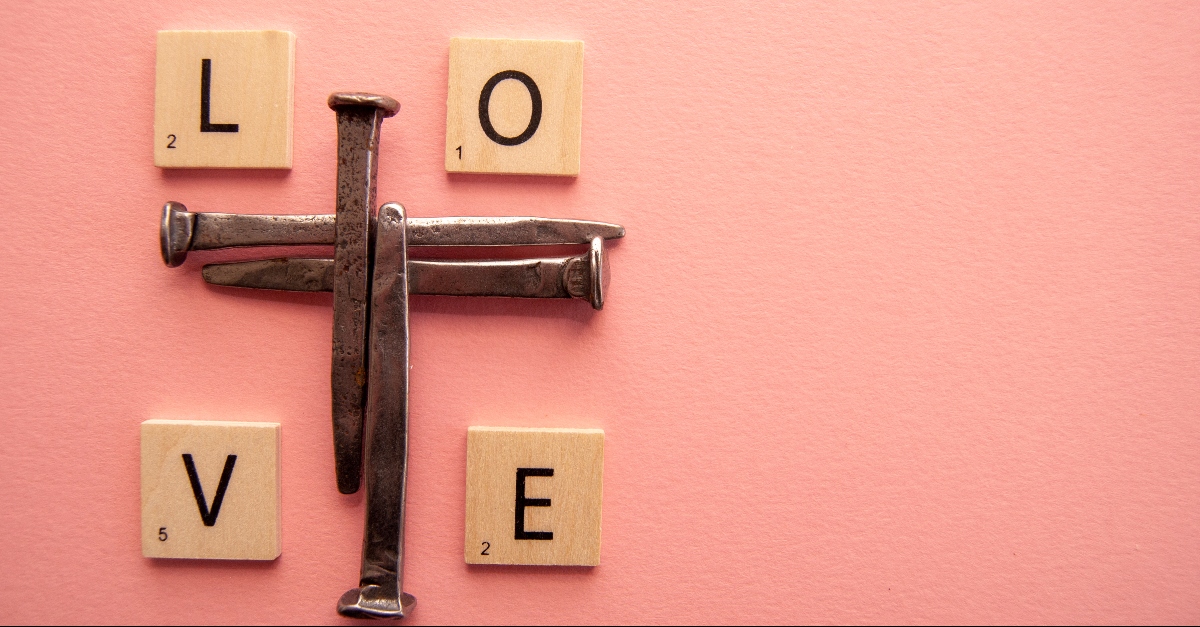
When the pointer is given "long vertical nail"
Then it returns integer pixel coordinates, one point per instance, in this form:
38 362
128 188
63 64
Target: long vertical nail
380 593
359 121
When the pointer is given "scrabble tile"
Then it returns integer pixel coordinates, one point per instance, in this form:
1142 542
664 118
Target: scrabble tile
534 495
210 489
514 106
223 99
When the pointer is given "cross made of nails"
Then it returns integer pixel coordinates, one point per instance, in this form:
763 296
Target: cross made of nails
371 277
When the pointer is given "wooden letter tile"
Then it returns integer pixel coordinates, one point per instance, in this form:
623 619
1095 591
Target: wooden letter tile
223 99
534 495
210 489
514 106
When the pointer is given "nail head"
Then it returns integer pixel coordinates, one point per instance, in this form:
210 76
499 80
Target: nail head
360 99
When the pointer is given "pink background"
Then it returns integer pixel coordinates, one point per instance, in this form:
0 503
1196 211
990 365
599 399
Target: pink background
905 327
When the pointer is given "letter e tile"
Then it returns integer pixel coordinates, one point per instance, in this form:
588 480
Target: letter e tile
534 496
210 489
514 106
223 99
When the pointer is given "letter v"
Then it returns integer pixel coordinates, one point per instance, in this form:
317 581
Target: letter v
209 517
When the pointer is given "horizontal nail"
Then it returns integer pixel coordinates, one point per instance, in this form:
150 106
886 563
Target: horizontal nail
182 231
557 277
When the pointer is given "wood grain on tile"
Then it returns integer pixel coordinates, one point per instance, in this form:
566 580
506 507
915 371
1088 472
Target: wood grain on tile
211 489
514 106
223 99
534 496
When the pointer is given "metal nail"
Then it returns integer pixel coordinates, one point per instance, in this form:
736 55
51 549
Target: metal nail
286 274
359 122
175 233
581 276
183 231
380 593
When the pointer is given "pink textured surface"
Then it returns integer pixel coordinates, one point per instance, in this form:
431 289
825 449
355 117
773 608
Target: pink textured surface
905 327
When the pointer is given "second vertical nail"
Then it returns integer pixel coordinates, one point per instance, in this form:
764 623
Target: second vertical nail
359 122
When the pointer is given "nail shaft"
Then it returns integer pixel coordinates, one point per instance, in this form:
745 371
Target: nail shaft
183 231
555 277
228 230
359 122
381 592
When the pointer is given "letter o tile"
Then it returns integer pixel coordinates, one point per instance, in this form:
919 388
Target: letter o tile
514 106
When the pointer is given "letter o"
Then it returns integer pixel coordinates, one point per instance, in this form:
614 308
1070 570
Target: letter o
535 116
